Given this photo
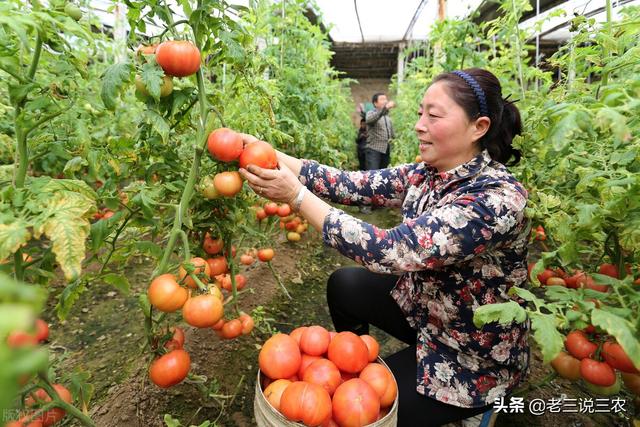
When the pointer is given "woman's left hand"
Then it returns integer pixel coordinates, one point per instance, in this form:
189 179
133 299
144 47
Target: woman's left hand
278 185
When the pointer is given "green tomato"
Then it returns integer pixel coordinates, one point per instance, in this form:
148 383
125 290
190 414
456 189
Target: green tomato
604 391
207 188
165 89
73 11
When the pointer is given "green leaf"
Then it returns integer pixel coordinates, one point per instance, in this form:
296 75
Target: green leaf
149 248
119 281
151 75
145 305
158 123
622 330
13 236
74 165
68 297
503 313
114 80
546 335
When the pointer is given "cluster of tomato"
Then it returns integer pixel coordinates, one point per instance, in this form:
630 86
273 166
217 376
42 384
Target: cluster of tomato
323 378
294 225
39 397
579 279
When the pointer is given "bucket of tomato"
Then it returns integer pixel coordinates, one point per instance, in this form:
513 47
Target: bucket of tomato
313 377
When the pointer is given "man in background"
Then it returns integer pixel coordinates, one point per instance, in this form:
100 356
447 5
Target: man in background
379 133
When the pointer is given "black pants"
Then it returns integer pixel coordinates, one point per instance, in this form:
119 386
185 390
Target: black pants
358 298
375 159
361 158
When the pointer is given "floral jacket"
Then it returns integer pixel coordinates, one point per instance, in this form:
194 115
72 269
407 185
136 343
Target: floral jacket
462 244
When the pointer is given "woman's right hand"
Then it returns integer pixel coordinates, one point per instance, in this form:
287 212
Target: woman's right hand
248 139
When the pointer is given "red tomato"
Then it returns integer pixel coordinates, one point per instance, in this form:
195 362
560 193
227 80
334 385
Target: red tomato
382 381
23 420
587 282
271 208
179 58
556 281
279 357
218 325
247 323
349 353
306 402
165 294
21 339
355 404
259 153
212 246
545 275
572 281
616 357
241 282
202 270
202 311
284 210
372 346
231 329
566 366
225 144
324 373
177 340
266 254
305 362
217 265
296 334
246 259
146 49
273 392
40 396
579 345
170 369
315 340
228 184
598 373
261 214
609 270
42 330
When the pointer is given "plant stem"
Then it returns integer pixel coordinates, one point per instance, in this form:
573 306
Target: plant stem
605 49
278 280
518 51
57 401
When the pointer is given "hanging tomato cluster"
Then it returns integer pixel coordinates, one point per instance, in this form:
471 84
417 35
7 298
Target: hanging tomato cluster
326 378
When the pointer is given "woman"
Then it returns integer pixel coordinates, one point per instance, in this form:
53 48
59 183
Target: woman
462 244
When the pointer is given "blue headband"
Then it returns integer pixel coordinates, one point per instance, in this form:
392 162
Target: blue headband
477 90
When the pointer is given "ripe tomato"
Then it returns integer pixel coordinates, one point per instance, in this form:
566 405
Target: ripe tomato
271 208
261 214
246 259
598 373
572 281
284 210
42 330
231 329
165 294
228 184
179 58
177 340
165 89
566 366
632 382
247 323
545 275
217 265
18 339
266 254
616 357
53 415
609 270
218 325
202 270
372 346
315 340
306 402
556 281
355 404
324 373
305 362
259 153
23 420
279 357
579 345
273 392
212 246
170 369
296 334
382 381
202 311
349 353
587 282
146 49
241 281
225 144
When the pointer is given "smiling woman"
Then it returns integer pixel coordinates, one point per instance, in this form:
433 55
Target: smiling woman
462 244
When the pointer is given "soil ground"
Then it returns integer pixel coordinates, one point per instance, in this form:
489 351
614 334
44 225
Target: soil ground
104 336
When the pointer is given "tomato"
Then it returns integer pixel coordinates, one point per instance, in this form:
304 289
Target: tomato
202 270
372 346
53 415
247 323
107 214
18 339
609 270
604 390
170 369
228 184
382 381
284 210
305 362
315 340
165 294
280 357
586 281
273 392
616 357
146 49
165 89
349 353
566 366
324 373
579 345
225 144
632 382
246 259
218 325
545 275
306 402
261 214
418 159
207 188
231 329
179 58
271 208
202 311
296 334
355 404
217 266
556 281
266 254
598 373
572 281
259 153
178 335
241 281
292 236
73 11
540 234
212 246
23 420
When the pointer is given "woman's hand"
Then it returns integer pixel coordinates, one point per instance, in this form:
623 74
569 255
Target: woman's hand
248 139
278 185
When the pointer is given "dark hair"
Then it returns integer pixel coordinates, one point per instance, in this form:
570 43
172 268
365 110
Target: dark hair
375 97
505 117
